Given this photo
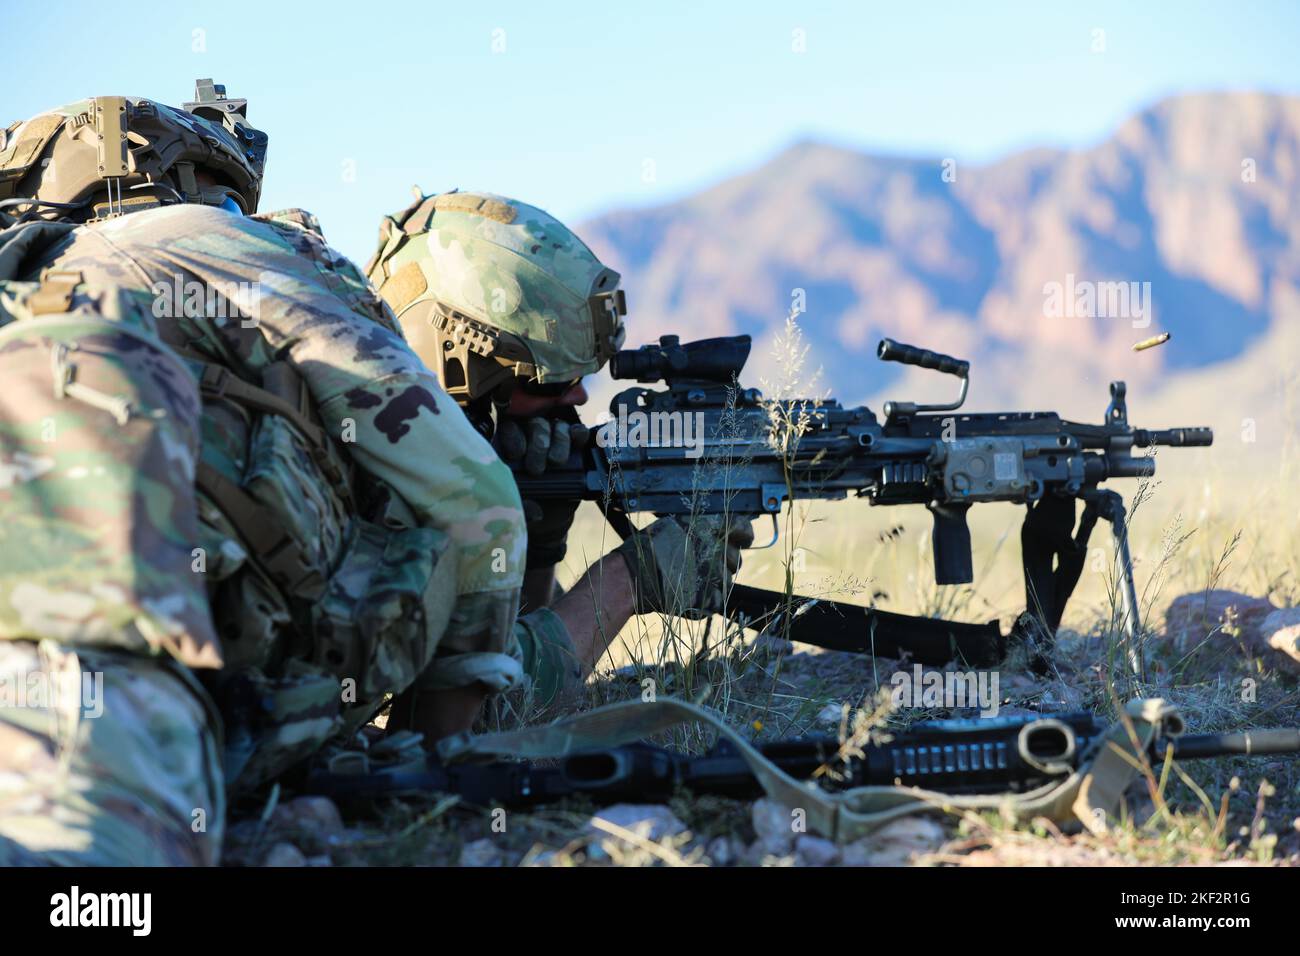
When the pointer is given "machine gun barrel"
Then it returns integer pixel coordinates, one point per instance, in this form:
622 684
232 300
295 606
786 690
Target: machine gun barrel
1173 437
1284 740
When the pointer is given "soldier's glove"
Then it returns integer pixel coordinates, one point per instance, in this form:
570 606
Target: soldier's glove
540 443
681 566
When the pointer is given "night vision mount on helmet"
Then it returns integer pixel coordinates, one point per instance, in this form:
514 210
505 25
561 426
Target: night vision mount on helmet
109 155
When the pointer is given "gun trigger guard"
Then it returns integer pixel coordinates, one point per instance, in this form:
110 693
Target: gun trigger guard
776 533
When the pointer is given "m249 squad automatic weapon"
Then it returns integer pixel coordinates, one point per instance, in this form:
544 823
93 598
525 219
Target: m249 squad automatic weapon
960 756
727 458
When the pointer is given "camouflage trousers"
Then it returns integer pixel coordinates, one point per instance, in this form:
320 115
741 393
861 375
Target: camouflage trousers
107 758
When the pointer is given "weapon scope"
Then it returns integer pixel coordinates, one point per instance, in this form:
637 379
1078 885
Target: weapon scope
710 360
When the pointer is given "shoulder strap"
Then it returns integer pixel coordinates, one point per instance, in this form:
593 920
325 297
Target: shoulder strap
262 534
260 528
217 381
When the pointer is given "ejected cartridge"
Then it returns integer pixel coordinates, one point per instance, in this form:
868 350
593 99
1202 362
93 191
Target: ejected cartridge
1152 342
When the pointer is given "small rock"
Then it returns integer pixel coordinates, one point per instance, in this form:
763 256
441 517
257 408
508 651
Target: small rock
772 824
858 853
815 851
1281 630
311 813
719 851
896 843
284 854
322 860
1190 617
652 822
480 853
831 714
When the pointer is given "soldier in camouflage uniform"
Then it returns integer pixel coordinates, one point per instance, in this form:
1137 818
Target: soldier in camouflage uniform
235 508
512 310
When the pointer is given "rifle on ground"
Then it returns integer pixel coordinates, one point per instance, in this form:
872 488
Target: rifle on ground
705 445
962 756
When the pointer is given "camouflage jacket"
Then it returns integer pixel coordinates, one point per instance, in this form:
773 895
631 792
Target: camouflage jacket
242 300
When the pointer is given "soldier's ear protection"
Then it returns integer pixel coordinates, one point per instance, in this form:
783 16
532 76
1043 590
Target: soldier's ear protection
230 203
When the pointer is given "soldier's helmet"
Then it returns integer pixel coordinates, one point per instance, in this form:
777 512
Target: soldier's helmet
110 155
489 290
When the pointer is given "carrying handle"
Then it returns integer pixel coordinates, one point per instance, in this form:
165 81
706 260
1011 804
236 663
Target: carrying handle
890 351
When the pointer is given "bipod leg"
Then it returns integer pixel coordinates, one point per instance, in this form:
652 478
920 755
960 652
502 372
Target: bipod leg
1111 507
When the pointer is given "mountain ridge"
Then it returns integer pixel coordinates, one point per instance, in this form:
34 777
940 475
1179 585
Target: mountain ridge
1193 203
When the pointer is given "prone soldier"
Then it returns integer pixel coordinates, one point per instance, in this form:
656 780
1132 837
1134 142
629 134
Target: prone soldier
512 310
236 509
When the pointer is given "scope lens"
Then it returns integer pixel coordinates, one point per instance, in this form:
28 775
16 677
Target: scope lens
632 363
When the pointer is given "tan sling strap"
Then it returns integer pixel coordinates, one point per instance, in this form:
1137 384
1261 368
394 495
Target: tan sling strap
259 528
218 382
262 533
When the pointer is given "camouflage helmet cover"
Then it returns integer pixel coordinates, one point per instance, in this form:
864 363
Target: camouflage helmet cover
112 154
488 288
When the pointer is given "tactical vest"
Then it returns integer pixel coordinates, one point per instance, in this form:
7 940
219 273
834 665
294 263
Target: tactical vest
324 592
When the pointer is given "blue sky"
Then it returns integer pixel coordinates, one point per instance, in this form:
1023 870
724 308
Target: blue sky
583 107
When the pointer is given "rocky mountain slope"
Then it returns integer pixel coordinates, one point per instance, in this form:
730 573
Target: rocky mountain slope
1193 204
